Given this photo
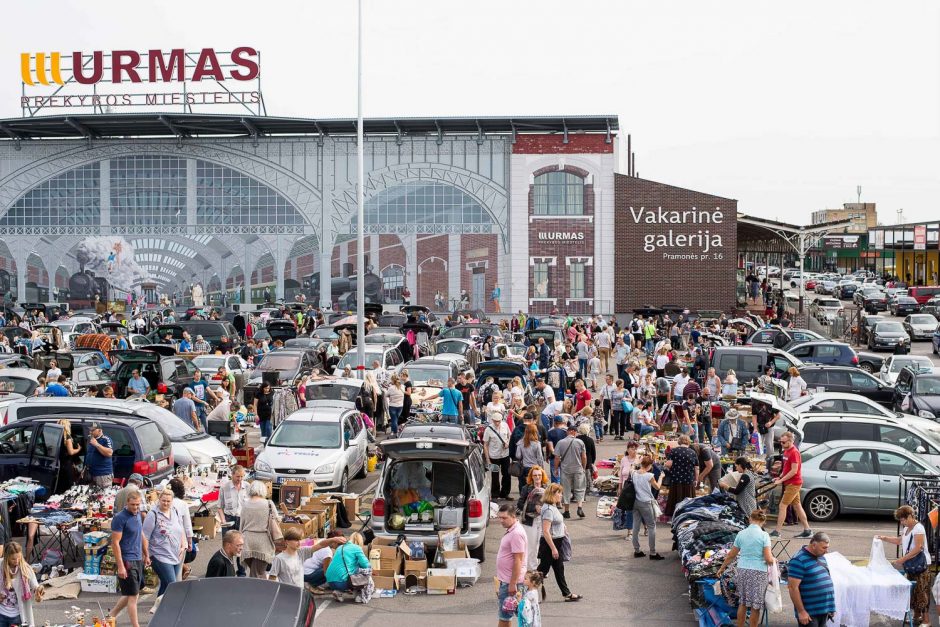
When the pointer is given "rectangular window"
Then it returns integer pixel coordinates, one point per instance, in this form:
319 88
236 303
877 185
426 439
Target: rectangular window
576 280
540 280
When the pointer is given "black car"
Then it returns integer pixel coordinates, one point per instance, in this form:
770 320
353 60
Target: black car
918 392
871 300
284 367
932 307
392 320
868 325
848 379
281 329
503 373
157 363
846 291
30 448
221 335
889 335
904 305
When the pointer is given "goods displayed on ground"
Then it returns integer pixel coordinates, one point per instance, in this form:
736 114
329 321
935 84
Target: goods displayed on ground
402 566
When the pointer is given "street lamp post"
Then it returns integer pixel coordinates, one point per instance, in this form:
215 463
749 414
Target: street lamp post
360 230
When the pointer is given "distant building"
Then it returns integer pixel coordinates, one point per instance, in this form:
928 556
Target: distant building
863 215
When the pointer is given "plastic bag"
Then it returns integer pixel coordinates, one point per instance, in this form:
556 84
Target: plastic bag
773 599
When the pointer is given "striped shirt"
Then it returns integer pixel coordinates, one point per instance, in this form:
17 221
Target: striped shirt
816 589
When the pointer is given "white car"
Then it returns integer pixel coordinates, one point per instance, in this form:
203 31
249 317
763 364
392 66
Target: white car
332 391
233 364
20 380
189 446
323 445
893 364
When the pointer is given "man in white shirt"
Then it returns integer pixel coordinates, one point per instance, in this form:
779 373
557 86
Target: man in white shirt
679 382
605 393
602 340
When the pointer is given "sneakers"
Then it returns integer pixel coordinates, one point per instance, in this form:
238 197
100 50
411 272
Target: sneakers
566 515
774 534
806 533
580 513
639 554
656 556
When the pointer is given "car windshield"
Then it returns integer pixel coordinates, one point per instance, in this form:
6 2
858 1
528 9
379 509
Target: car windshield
465 333
332 392
209 362
453 348
925 386
302 434
65 327
923 319
351 358
325 333
424 374
19 385
915 361
279 361
889 327
830 302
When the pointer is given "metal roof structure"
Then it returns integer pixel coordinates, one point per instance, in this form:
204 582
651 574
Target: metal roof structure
122 125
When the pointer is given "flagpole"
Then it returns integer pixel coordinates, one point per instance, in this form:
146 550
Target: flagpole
360 235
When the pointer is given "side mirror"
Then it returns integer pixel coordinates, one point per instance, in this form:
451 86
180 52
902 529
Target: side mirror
263 440
921 450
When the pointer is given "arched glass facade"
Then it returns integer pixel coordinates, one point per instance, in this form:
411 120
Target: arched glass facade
423 207
72 198
225 196
148 190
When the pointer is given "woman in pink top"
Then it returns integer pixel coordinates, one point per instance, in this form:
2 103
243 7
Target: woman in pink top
627 463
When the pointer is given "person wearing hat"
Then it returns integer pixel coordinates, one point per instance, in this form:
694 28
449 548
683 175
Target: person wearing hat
496 452
201 345
185 409
98 457
134 483
569 463
733 434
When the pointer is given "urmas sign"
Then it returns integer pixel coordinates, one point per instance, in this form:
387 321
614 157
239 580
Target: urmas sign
673 244
128 78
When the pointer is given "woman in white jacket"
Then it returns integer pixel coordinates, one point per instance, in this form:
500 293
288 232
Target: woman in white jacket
18 587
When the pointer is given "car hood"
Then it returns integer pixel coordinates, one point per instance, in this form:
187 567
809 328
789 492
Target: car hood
931 403
923 326
890 334
310 458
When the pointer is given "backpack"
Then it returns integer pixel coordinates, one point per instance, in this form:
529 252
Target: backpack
531 507
487 394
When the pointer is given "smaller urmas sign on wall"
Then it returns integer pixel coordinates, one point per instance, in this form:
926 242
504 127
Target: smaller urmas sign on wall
673 246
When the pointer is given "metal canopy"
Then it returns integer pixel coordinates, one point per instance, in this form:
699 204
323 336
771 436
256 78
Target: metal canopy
191 124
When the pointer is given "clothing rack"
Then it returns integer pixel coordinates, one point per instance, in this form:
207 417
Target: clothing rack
922 493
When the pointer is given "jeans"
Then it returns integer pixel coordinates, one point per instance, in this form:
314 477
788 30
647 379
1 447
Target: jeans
6 621
168 573
501 596
203 417
546 422
316 578
582 367
469 418
649 346
340 586
598 430
266 429
454 420
641 429
394 413
643 515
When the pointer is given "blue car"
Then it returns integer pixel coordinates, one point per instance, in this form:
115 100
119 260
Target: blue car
936 340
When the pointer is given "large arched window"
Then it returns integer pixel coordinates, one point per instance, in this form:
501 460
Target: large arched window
72 198
393 280
424 207
226 196
559 194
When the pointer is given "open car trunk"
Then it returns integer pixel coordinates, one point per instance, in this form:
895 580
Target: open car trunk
425 496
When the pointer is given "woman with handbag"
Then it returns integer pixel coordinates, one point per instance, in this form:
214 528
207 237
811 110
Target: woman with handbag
19 588
914 561
644 506
530 504
350 568
752 550
260 528
166 542
555 546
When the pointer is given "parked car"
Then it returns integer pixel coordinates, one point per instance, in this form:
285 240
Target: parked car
840 403
932 307
30 447
324 445
332 391
830 428
856 476
395 340
780 337
824 352
189 446
157 363
872 300
889 335
868 325
846 290
20 380
749 362
923 293
453 346
847 379
502 371
920 326
935 341
85 377
552 335
917 391
221 335
450 470
472 330
227 601
209 365
826 309
903 305
285 367
826 286
895 363
387 356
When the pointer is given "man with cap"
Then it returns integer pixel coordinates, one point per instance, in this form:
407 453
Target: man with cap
134 483
185 409
569 462
98 457
201 345
496 452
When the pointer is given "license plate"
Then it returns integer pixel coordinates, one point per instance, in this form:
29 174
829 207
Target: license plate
163 463
280 480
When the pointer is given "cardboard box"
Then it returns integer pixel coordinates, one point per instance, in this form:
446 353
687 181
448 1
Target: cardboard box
352 505
385 582
387 548
206 524
98 583
305 527
463 553
414 567
442 581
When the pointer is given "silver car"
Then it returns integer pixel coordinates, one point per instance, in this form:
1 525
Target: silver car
920 326
893 364
856 476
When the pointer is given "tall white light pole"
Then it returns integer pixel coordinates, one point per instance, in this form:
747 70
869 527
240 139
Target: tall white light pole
360 235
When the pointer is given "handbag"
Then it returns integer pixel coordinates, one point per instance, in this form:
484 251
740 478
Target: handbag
564 548
274 527
515 468
619 519
627 499
773 598
917 564
358 580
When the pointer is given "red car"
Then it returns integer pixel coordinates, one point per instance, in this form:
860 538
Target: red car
811 284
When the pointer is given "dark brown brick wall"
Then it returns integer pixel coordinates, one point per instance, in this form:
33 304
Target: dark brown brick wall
648 278
470 244
432 271
548 143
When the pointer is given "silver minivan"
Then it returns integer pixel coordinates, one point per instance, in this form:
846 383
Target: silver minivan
189 446
817 429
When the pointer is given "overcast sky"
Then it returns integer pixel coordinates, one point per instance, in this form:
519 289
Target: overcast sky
785 106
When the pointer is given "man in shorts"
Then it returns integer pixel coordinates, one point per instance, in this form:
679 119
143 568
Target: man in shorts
130 555
510 562
791 478
570 462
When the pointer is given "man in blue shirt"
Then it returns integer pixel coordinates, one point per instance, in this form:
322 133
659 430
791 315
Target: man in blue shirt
453 402
98 457
185 345
57 387
122 342
137 385
131 553
810 584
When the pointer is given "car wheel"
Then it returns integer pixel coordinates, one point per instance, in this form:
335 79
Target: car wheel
479 553
344 482
867 367
821 505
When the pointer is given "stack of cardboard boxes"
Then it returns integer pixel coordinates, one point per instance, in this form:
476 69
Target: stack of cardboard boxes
394 568
98 571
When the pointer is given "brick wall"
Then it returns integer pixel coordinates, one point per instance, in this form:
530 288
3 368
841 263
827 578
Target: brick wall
432 271
475 249
549 143
706 280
